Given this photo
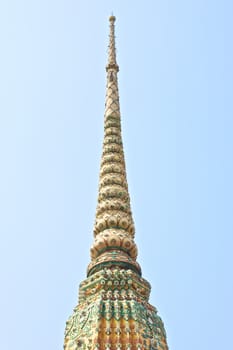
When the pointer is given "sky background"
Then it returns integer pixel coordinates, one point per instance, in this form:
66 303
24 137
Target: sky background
176 90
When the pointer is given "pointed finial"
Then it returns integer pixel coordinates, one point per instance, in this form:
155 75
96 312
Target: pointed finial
112 64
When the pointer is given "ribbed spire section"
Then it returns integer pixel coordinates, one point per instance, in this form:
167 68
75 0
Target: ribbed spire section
114 227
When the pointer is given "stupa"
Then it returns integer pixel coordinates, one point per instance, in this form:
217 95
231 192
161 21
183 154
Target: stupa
113 310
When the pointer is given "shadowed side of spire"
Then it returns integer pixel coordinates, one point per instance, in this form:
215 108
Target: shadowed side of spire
114 227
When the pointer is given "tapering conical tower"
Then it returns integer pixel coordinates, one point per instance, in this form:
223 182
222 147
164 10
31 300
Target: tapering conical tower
113 312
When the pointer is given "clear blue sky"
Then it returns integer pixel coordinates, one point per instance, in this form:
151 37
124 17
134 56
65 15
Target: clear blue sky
176 87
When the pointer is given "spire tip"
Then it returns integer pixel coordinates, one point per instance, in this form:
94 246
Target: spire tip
112 18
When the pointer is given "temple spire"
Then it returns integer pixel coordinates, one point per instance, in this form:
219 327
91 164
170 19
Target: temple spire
113 310
114 228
